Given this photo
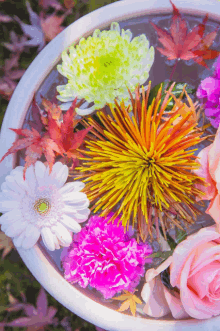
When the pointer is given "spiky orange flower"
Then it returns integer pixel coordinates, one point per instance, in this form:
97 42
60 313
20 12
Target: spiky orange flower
139 164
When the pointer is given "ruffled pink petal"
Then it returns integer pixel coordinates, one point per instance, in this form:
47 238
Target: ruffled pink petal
183 251
194 306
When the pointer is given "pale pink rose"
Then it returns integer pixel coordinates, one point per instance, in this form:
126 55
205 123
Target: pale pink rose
195 271
209 158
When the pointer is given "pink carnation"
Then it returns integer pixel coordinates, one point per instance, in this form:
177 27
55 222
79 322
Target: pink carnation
105 258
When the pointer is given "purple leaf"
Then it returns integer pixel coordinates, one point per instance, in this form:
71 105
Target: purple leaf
51 312
34 18
30 310
20 322
17 43
42 302
34 31
37 318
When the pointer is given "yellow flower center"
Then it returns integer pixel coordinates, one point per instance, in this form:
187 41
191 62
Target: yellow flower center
42 206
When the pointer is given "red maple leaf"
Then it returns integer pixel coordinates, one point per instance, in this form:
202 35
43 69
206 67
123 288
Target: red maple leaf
64 134
35 145
181 44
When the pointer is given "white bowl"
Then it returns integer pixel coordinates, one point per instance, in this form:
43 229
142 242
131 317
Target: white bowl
38 263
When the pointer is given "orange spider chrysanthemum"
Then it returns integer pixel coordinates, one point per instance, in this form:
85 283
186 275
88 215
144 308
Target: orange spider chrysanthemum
139 163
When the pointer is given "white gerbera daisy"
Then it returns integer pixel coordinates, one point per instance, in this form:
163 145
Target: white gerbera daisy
42 205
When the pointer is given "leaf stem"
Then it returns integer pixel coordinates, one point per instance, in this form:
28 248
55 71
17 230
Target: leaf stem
174 68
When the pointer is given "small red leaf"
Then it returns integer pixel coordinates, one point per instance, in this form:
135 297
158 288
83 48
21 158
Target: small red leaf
181 44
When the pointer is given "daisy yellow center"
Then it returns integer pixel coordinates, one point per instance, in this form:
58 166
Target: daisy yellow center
42 206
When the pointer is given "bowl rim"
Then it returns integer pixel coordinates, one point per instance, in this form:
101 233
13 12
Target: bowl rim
18 106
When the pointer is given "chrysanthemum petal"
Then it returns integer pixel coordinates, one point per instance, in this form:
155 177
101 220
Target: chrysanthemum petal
70 223
111 55
48 238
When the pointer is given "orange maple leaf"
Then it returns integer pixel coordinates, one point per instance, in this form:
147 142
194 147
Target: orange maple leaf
64 136
179 44
36 145
130 301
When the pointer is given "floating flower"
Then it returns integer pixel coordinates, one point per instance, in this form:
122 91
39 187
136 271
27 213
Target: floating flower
194 271
105 258
142 165
103 66
209 92
42 205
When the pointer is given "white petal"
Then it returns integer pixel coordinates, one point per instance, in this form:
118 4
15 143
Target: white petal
82 215
81 205
15 229
12 184
4 186
11 195
7 205
32 235
70 223
62 234
4 227
59 174
17 170
11 216
40 170
74 197
48 238
19 239
31 178
72 187
19 178
56 241
79 215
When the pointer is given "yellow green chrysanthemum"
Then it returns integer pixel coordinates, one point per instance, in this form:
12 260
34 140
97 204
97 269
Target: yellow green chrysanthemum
141 167
103 67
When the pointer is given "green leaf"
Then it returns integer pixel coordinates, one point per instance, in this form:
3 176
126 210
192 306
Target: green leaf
180 235
177 90
162 255
171 242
